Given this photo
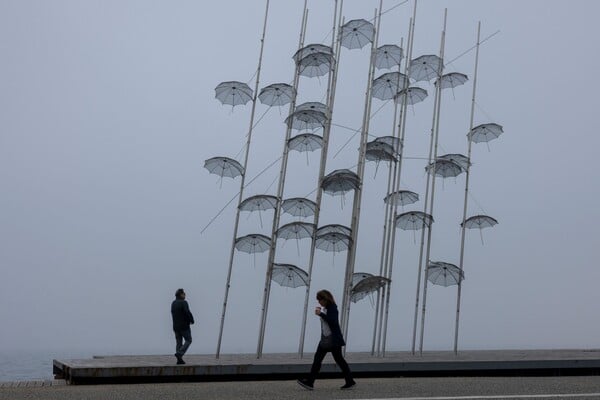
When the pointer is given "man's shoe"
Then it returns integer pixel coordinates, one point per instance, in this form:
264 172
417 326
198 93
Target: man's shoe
348 385
305 383
179 359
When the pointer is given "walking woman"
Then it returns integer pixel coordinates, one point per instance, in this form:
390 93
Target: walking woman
331 341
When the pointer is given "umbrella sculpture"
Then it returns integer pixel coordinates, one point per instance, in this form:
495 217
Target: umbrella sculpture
359 276
459 159
305 142
413 220
444 274
224 167
333 241
316 64
479 222
401 197
379 151
260 202
252 244
306 120
233 93
485 132
452 80
391 140
299 207
387 85
413 95
312 105
444 168
277 94
339 182
356 34
425 68
367 286
388 56
296 230
311 49
334 228
289 275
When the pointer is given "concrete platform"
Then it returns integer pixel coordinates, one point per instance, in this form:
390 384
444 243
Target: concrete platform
238 367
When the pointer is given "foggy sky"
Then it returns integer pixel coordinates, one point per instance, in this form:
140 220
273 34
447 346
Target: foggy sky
107 113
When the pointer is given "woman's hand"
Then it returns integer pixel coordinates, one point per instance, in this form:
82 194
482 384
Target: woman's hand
317 310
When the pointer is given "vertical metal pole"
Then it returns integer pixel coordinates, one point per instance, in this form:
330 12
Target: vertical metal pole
360 172
326 132
462 233
243 180
435 137
277 211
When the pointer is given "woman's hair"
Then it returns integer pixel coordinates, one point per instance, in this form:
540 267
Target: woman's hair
326 296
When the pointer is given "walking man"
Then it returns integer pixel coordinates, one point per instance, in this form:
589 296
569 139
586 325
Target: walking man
182 319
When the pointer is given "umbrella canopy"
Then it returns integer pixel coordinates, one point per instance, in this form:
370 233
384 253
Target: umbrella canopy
334 228
444 274
459 159
260 202
333 241
366 286
379 151
306 119
401 197
253 243
313 105
357 33
413 220
277 94
388 56
413 95
316 64
359 276
299 207
387 85
340 181
305 142
233 93
485 132
452 80
224 167
311 49
289 275
296 230
444 168
391 140
425 68
479 221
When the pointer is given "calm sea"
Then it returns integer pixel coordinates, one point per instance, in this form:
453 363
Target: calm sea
20 365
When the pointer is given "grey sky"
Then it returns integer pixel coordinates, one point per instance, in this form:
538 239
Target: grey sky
107 114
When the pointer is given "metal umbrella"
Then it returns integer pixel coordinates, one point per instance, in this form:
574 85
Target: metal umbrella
379 151
311 49
388 56
367 286
401 197
333 241
253 243
225 167
485 132
289 275
233 93
479 222
356 34
425 68
412 95
306 120
296 230
391 140
444 168
333 228
340 181
260 202
452 80
299 207
359 276
313 105
305 142
277 94
316 64
387 85
444 274
459 159
413 220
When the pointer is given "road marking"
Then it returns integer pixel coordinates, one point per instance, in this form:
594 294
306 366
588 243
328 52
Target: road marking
518 396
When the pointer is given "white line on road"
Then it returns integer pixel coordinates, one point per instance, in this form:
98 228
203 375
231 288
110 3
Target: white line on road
523 396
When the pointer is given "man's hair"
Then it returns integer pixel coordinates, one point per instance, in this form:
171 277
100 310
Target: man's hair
178 293
326 296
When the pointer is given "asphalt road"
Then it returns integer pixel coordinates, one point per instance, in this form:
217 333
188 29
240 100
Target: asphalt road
586 387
